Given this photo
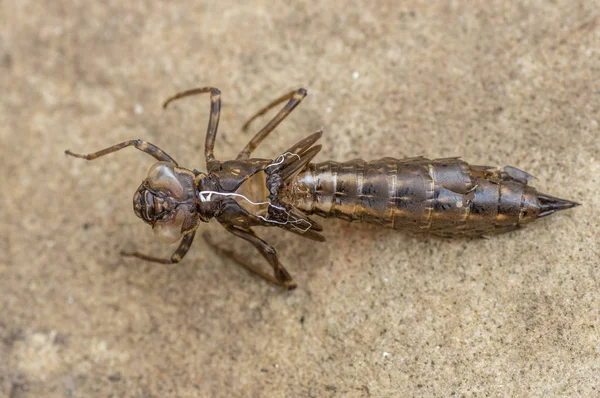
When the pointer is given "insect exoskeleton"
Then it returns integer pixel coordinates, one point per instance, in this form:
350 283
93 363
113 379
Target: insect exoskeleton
447 197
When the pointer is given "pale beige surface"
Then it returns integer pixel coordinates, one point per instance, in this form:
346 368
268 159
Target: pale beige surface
377 313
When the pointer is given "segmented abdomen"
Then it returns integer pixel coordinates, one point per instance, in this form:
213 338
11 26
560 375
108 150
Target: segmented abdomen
443 196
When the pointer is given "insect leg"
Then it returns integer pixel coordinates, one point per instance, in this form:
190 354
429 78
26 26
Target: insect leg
176 257
294 98
280 275
143 146
213 121
240 261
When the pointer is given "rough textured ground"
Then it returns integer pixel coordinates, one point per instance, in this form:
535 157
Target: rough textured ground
377 313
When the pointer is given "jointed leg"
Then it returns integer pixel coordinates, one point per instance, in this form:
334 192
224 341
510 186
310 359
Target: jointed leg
294 98
143 146
280 275
213 121
176 257
239 260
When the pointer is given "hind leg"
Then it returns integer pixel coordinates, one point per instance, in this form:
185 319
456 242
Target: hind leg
280 275
294 98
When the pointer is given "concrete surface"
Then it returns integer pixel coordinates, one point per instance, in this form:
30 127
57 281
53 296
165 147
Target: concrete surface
377 313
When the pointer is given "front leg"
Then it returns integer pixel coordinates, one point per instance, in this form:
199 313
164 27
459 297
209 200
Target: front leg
176 257
280 275
143 146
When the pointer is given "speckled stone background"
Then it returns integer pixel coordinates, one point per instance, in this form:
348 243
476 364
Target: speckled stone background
377 313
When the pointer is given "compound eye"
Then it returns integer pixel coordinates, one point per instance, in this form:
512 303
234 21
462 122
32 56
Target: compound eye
162 177
169 231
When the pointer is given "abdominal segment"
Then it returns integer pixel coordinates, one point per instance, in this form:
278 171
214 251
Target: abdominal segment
443 196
